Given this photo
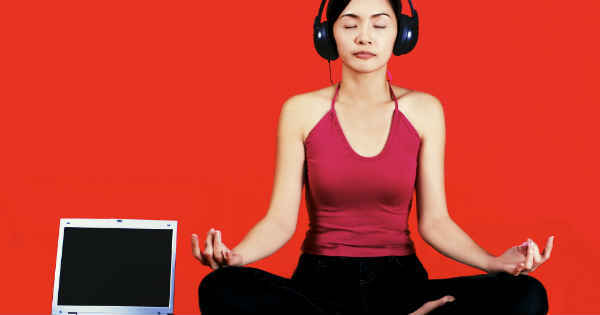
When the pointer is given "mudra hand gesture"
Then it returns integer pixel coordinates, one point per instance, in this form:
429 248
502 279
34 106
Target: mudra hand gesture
521 259
215 254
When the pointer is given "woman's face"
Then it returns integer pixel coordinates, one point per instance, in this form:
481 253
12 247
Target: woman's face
368 25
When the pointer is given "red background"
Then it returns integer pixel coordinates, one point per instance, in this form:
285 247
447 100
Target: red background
168 110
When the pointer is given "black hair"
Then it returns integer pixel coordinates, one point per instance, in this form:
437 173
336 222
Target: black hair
335 8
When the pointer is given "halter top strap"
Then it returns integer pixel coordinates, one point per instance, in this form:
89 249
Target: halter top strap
392 94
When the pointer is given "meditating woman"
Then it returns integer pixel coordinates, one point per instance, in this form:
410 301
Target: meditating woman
361 148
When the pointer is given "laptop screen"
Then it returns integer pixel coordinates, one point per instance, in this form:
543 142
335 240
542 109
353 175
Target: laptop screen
115 267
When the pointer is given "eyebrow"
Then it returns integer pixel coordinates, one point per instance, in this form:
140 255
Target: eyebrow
352 15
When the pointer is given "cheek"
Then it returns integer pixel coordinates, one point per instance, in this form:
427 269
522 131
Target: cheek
344 44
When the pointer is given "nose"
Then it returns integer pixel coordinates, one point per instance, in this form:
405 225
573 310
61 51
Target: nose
364 37
363 41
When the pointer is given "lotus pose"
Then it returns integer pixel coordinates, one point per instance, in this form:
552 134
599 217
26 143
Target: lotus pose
361 148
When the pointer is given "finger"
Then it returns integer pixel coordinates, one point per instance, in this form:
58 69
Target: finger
529 263
548 249
196 248
217 255
521 267
537 258
225 248
518 269
218 247
523 248
523 271
227 256
208 251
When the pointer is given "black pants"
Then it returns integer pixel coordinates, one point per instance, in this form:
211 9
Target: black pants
365 285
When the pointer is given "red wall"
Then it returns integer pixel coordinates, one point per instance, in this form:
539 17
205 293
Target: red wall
168 110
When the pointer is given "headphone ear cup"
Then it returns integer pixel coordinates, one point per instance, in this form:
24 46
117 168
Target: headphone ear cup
408 34
324 41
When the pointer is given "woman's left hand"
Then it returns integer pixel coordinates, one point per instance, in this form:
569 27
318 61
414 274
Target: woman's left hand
521 259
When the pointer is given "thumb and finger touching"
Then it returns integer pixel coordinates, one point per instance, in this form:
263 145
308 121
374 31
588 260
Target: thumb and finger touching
533 258
526 250
215 253
223 255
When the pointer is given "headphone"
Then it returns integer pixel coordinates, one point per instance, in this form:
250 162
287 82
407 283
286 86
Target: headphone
406 40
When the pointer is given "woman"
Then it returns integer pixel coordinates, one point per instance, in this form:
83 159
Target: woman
360 151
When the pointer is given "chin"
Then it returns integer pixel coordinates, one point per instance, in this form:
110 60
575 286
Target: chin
368 66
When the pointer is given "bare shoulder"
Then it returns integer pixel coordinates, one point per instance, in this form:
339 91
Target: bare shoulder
306 99
309 107
422 109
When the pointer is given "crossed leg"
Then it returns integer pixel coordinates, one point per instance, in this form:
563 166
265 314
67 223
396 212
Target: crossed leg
495 293
248 290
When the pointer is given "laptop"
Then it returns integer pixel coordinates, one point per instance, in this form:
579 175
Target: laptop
114 266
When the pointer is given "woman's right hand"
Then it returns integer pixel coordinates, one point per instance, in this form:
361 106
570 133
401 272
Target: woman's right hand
215 254
431 305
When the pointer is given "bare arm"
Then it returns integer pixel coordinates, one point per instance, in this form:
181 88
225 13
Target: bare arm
435 224
449 239
279 224
264 239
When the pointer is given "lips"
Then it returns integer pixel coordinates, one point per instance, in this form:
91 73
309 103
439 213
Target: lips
364 53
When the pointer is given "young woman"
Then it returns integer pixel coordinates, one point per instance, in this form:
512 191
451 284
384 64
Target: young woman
362 147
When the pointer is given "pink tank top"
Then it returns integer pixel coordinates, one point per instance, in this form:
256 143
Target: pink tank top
358 206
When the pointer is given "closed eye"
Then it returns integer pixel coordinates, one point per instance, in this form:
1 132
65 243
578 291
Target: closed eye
355 26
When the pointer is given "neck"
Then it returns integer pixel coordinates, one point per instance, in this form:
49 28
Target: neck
364 89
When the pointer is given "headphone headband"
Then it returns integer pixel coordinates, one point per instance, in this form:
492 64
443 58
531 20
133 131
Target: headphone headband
318 18
413 12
